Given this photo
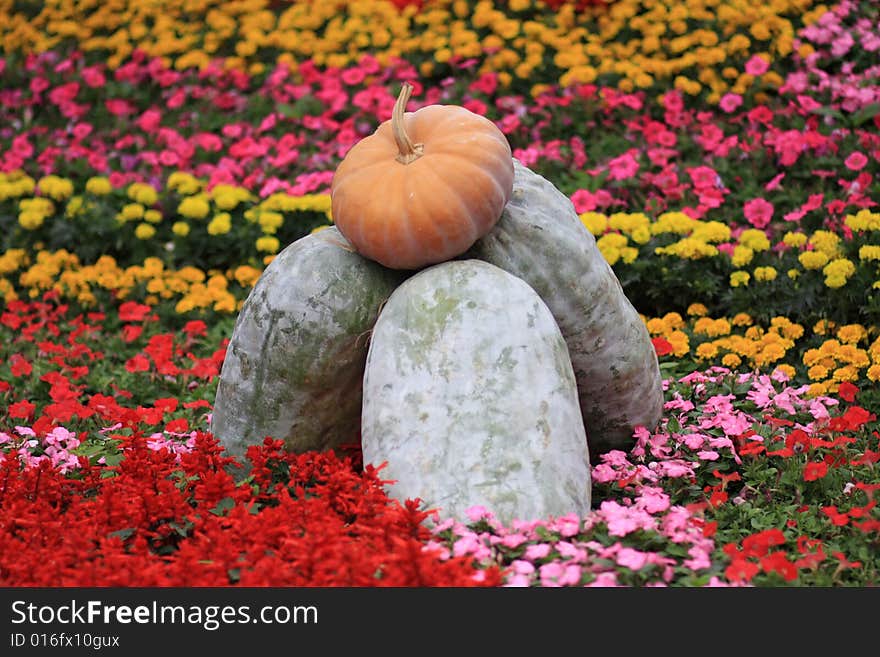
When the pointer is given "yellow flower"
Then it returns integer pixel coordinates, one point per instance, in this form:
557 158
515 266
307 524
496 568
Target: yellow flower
132 212
754 239
267 244
741 319
826 242
738 278
838 271
143 193
794 239
706 351
863 220
697 310
731 360
869 252
180 228
813 259
765 273
742 255
153 216
144 231
596 222
194 207
220 224
852 333
99 186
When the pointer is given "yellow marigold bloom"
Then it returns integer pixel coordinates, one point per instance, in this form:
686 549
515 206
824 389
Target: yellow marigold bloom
873 373
731 360
30 220
183 183
794 239
852 333
754 333
754 239
220 224
813 259
673 320
132 212
144 231
680 343
738 278
194 207
817 390
793 273
711 231
837 272
742 255
180 228
845 373
869 252
153 216
628 222
688 248
826 242
824 326
143 193
55 187
765 273
864 219
267 244
246 276
596 222
786 369
673 222
270 221
656 326
99 186
742 319
641 235
706 351
697 310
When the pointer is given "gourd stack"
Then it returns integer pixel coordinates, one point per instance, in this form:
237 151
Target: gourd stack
458 317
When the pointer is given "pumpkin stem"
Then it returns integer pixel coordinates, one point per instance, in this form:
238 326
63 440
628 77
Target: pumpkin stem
408 151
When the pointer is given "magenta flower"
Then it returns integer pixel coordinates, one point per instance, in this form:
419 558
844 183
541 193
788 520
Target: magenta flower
856 161
757 65
730 102
758 212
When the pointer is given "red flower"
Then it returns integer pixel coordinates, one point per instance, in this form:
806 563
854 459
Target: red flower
137 363
662 346
195 328
19 366
814 471
778 562
741 570
22 409
131 311
130 332
847 391
837 518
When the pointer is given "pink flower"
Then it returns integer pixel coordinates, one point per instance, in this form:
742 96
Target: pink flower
519 581
537 551
632 559
730 102
604 579
757 65
623 166
856 161
758 212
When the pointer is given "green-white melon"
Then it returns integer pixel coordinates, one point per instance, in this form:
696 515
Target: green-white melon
541 240
470 397
295 363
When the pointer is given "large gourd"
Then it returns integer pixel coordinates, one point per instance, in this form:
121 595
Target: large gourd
294 365
541 239
470 397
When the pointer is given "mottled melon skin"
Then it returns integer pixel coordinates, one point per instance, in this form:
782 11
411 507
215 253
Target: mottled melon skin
541 239
294 365
470 397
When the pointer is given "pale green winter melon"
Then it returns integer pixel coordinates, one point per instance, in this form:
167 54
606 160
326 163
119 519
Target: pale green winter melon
470 397
541 239
294 365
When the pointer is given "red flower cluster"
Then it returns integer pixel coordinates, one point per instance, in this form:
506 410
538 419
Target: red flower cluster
163 520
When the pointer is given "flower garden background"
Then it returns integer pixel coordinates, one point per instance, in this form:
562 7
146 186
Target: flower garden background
155 156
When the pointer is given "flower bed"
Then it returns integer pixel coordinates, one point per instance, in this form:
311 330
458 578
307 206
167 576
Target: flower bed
725 160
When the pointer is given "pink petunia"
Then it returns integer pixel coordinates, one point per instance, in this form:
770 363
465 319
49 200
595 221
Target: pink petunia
758 212
632 559
856 161
730 102
757 65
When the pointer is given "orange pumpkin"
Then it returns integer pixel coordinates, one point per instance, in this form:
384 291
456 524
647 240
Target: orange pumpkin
424 187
